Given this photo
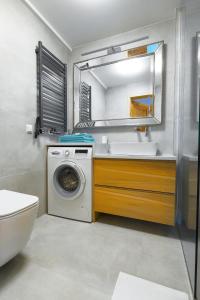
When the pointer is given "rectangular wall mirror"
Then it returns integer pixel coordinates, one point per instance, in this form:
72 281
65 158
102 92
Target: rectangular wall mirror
120 89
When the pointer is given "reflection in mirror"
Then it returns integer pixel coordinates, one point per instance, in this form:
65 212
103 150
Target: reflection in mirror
109 92
141 106
106 90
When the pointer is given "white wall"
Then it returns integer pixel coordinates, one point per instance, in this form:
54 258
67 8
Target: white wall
164 133
22 159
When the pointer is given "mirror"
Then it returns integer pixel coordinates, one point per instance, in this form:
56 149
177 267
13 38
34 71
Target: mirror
119 89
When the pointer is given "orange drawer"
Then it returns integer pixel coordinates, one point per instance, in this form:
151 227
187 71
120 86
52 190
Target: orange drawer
149 206
149 175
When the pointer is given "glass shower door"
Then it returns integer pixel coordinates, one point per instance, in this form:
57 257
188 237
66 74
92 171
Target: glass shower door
197 282
189 145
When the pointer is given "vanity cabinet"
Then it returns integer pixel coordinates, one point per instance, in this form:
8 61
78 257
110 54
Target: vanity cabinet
140 189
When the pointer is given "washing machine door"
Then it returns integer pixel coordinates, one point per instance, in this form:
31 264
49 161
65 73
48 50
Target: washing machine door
69 181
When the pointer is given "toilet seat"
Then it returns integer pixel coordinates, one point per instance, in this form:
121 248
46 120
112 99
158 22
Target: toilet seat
12 203
17 215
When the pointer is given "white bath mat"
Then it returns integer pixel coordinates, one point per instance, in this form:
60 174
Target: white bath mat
129 287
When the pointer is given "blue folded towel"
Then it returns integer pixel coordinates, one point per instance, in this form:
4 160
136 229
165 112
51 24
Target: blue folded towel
76 138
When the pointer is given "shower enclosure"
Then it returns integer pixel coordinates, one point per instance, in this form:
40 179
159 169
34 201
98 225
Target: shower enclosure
188 52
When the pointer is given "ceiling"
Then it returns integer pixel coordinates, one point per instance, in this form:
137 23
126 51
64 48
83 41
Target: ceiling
82 21
126 72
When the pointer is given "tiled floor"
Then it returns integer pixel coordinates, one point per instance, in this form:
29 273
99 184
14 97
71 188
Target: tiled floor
73 260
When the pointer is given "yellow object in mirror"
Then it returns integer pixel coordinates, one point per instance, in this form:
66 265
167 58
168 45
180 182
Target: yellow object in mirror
137 51
141 106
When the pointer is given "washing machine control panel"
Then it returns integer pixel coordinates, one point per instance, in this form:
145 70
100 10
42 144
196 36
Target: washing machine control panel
83 153
70 152
57 153
67 153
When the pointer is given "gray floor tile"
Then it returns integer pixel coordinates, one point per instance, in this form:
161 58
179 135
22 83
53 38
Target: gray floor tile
72 260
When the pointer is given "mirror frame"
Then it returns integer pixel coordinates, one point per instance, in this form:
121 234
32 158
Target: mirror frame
157 88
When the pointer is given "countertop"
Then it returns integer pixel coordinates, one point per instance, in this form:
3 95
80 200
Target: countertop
70 144
191 157
111 156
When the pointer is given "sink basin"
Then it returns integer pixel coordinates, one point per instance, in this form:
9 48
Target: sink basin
131 148
101 149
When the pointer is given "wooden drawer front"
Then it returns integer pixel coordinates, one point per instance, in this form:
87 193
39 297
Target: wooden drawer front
136 174
149 206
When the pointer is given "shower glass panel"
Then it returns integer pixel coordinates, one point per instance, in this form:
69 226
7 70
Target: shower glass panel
189 143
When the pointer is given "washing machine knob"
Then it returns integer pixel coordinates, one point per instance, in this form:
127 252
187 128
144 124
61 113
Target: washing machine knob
67 153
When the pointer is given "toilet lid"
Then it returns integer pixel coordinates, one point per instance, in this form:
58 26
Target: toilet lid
13 202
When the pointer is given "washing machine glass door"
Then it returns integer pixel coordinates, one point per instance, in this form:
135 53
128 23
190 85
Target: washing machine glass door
69 181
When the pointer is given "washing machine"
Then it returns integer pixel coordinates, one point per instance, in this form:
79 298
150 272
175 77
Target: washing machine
70 182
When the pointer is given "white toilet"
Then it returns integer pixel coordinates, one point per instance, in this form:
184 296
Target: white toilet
17 214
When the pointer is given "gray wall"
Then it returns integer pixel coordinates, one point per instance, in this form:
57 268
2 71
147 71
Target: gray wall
163 134
189 100
22 159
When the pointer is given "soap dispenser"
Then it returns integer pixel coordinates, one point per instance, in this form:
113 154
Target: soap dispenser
104 141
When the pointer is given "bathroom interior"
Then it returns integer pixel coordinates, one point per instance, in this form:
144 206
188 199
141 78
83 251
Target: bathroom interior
99 195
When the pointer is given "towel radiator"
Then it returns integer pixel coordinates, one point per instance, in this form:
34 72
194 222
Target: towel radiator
85 102
52 93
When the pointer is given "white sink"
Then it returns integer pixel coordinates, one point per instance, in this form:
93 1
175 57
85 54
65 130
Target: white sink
131 148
